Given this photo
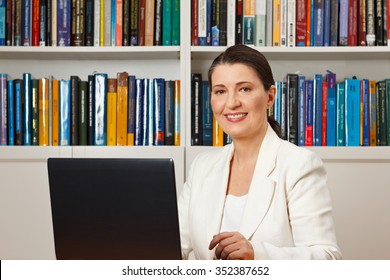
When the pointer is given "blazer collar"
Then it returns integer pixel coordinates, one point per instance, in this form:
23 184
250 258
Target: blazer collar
260 192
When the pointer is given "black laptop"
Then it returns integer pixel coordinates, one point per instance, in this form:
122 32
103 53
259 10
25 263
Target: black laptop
114 209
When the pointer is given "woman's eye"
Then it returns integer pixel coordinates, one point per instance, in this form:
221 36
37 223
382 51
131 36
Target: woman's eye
219 91
245 89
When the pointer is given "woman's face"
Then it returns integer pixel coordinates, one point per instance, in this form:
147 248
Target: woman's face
239 101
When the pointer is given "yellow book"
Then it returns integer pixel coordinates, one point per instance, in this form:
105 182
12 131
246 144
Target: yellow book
43 101
276 24
56 112
111 112
176 128
217 133
149 22
101 41
122 100
372 110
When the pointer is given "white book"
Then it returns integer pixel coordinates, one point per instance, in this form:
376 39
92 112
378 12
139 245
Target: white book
291 22
96 23
268 25
283 23
231 22
106 23
202 21
260 22
54 23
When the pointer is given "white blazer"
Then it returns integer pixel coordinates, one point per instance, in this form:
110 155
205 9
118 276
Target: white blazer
288 214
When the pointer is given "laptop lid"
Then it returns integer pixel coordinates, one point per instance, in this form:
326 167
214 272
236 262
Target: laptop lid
114 208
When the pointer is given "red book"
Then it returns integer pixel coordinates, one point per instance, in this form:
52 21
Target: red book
301 23
35 23
194 22
324 109
362 20
141 30
352 22
119 23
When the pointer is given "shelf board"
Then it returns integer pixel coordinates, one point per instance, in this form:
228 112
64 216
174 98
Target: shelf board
304 53
33 153
89 53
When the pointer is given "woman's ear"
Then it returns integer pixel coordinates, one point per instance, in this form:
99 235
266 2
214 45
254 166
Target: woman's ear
271 93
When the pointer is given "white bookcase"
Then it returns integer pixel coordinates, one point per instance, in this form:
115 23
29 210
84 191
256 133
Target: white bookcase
358 177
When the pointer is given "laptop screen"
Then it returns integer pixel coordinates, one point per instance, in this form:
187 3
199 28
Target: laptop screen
114 208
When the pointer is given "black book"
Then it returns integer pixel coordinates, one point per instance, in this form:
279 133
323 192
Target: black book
169 112
222 22
292 108
134 15
91 110
158 23
49 31
74 110
89 22
239 21
196 109
126 23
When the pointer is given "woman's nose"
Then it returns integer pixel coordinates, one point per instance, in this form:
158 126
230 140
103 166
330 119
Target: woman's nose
232 100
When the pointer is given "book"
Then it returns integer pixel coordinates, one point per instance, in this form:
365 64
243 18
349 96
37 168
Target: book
111 111
277 103
291 23
334 22
149 22
18 83
372 112
223 23
387 111
379 23
26 109
331 109
44 23
100 110
196 109
91 111
231 22
362 23
343 23
83 113
3 22
118 26
157 39
327 22
17 39
159 112
135 13
217 133
139 101
141 23
381 113
340 114
175 22
43 107
63 23
32 29
35 112
318 23
301 22
97 29
77 36
50 99
126 23
122 108
207 116
283 23
292 108
177 113
276 24
352 112
56 113
3 110
352 22
169 113
283 110
301 109
11 112
260 23
214 23
317 110
64 120
148 111
167 22
324 113
52 36
364 112
131 115
194 22
89 23
249 22
239 22
74 109
370 24
26 22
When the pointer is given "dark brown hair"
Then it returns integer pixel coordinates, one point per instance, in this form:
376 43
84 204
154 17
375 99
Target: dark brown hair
254 59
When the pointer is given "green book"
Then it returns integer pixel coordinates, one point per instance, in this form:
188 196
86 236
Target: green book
340 114
83 113
167 22
175 22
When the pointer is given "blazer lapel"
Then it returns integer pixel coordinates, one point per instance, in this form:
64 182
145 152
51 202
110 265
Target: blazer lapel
262 187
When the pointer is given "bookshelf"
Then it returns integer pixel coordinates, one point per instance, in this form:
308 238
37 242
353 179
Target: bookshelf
358 177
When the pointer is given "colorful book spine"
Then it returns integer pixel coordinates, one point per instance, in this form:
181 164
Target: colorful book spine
74 110
43 22
3 110
119 23
372 110
11 112
331 109
26 113
318 22
159 112
292 108
249 22
381 113
64 121
309 113
175 22
370 23
131 116
141 23
167 23
43 91
276 24
340 114
3 22
301 22
277 106
283 110
291 23
56 113
317 110
100 113
50 97
111 111
18 111
217 133
63 22
26 22
122 108
343 23
200 22
89 23
126 23
301 110
283 23
324 113
352 112
352 22
365 122
239 21
77 36
177 113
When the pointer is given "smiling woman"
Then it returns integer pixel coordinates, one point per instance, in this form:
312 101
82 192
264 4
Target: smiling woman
260 197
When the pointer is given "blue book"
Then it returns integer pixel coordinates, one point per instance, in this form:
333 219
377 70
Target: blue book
365 88
208 22
101 80
352 112
214 24
283 110
207 116
327 11
26 22
343 23
64 126
3 110
278 96
309 113
318 22
204 20
132 89
317 110
26 110
331 110
167 22
301 110
159 112
11 113
3 21
340 114
139 116
18 83
113 22
148 113
312 31
63 22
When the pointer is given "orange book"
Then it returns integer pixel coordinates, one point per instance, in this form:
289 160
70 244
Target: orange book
119 23
149 22
122 101
276 24
111 111
217 133
373 109
177 113
43 101
56 112
308 21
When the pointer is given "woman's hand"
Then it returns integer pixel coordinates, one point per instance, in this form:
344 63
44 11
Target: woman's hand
232 246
